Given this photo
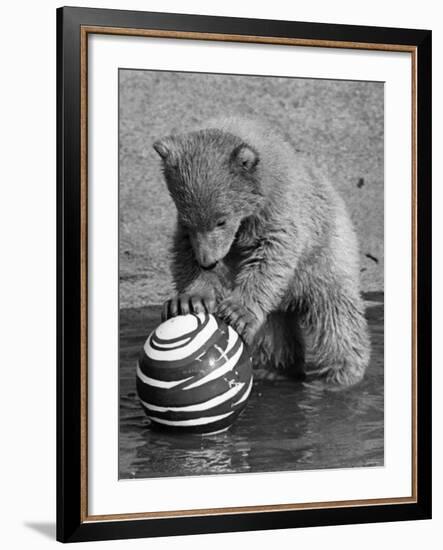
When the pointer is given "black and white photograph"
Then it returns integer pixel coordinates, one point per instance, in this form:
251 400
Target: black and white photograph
251 274
217 258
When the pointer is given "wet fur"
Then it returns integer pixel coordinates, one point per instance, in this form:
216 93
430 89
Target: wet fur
288 264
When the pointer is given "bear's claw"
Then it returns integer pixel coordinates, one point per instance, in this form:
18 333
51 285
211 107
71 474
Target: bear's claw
187 303
243 320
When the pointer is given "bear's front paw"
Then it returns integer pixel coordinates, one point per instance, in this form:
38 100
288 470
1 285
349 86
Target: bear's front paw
242 319
183 304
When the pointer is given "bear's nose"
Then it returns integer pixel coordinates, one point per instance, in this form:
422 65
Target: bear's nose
209 266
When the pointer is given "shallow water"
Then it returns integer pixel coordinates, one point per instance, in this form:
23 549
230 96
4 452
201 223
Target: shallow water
286 425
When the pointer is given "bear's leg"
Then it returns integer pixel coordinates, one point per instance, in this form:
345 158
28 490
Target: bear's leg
340 339
279 347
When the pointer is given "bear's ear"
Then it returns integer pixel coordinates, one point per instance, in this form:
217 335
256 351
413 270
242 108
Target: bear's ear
166 148
245 157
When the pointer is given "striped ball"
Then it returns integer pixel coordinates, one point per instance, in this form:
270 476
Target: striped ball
194 374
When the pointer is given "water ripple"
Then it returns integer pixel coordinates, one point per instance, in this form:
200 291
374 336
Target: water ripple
285 426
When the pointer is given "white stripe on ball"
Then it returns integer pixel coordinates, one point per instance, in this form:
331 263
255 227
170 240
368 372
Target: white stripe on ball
181 353
173 344
214 402
177 326
229 365
232 339
191 422
159 383
245 395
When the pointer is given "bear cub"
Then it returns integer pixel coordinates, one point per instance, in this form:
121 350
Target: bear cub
264 241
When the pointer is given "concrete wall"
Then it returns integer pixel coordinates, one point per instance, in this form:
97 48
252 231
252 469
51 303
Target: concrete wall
340 121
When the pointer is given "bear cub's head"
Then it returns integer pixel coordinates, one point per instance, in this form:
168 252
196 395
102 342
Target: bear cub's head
213 178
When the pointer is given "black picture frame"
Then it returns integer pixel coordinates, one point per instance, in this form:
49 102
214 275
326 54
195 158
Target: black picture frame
72 524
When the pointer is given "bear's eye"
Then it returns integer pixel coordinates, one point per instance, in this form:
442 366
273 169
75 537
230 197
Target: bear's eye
221 223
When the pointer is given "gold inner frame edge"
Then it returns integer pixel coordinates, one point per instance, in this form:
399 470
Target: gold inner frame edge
85 30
